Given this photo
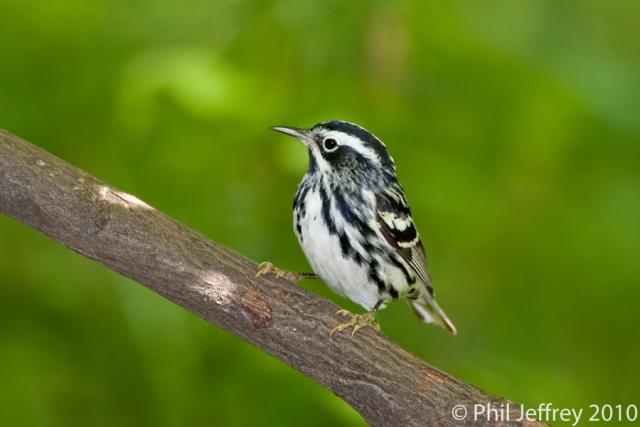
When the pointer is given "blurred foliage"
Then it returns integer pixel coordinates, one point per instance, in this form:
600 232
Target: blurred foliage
515 126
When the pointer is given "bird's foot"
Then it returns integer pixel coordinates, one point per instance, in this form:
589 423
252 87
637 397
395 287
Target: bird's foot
267 267
357 321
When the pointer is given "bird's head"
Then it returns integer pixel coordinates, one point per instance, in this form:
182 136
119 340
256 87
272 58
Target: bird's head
343 150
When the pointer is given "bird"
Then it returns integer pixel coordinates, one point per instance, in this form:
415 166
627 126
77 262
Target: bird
353 222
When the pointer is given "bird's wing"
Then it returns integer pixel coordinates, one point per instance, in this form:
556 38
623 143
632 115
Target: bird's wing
397 227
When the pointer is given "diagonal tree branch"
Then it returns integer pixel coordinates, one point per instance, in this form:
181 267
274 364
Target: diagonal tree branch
383 382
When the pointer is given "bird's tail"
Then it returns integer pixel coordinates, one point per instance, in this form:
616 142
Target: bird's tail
428 310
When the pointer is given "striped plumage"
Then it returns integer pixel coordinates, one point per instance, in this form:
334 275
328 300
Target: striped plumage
354 224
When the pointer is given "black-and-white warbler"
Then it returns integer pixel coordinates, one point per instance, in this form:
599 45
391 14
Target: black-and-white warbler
353 222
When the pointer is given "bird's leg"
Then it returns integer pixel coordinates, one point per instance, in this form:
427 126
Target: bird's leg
358 321
267 267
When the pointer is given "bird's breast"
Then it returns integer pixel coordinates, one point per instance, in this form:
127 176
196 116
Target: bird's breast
333 247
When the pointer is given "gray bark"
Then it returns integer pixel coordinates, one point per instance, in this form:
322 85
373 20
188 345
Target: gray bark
383 382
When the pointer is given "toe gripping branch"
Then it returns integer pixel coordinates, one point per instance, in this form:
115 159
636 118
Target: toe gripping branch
357 321
268 268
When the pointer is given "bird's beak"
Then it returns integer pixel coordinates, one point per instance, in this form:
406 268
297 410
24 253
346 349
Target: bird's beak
301 134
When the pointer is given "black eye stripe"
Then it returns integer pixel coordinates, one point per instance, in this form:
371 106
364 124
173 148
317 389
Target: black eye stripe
361 134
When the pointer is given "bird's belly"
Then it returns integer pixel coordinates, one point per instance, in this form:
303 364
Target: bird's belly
343 275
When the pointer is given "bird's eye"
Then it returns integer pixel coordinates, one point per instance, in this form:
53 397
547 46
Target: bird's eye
329 144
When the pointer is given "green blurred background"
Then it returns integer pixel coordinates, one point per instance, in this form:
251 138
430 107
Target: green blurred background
516 128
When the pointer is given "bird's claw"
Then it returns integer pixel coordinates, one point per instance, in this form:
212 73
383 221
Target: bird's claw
267 267
357 321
